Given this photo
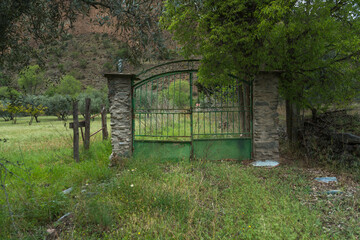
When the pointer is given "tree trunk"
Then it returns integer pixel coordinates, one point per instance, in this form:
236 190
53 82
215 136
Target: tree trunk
314 114
87 123
31 120
292 122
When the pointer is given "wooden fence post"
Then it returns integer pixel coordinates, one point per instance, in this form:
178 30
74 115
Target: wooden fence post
87 123
76 130
104 124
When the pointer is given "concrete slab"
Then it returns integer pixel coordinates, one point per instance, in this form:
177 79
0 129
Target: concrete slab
326 179
266 163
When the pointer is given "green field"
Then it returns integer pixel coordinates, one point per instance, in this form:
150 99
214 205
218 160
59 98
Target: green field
152 199
48 134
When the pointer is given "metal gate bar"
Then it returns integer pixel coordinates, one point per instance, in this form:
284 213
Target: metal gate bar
173 110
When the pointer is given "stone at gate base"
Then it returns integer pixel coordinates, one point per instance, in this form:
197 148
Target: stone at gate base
266 163
116 160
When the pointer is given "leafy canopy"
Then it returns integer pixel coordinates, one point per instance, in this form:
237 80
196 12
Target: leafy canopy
315 44
69 86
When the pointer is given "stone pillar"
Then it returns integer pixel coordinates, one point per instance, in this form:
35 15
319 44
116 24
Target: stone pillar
265 116
120 98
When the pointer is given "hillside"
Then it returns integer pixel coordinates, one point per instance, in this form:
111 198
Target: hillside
87 52
87 57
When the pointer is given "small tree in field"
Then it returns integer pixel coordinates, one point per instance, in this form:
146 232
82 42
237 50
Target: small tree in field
69 86
35 106
14 109
59 106
30 78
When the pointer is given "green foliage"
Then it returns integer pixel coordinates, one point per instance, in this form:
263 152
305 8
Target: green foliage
107 43
61 68
143 99
122 53
97 36
75 55
67 37
8 93
69 86
50 91
34 111
30 78
108 66
98 100
83 63
76 74
314 44
14 109
59 106
177 93
3 110
57 51
4 79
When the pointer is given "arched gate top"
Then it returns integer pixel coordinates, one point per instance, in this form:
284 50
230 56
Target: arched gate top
190 64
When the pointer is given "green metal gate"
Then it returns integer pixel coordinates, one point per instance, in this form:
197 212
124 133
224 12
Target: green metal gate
176 117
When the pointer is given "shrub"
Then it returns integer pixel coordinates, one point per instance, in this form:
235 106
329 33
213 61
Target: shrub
4 80
69 86
83 63
9 93
30 78
13 109
98 99
61 68
122 53
67 37
76 74
97 36
59 106
108 66
3 110
75 54
106 43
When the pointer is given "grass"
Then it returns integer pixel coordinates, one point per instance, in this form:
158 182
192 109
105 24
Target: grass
48 134
152 199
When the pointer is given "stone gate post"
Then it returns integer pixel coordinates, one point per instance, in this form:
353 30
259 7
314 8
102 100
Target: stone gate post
120 98
265 116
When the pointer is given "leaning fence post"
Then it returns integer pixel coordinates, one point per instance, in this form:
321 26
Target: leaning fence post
87 123
76 130
104 124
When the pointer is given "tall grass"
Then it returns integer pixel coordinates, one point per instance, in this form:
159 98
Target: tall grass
152 199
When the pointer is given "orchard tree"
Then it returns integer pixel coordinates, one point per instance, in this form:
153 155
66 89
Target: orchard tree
314 44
